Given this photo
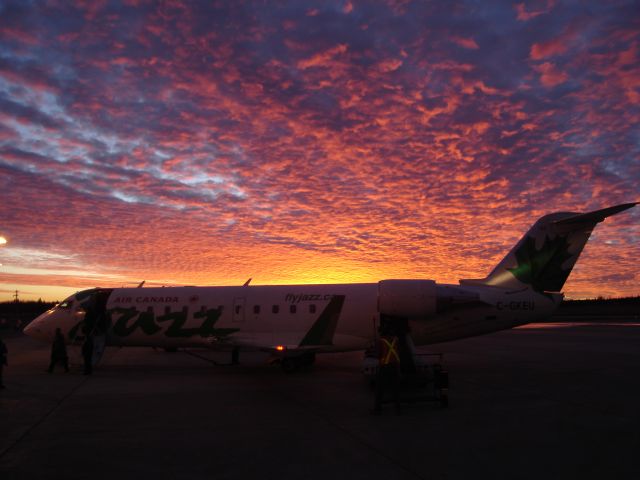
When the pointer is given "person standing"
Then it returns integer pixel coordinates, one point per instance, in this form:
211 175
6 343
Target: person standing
59 352
388 375
3 361
90 317
87 355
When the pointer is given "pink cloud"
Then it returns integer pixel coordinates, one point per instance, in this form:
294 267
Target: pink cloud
322 59
468 43
525 16
549 48
550 76
389 65
557 45
16 34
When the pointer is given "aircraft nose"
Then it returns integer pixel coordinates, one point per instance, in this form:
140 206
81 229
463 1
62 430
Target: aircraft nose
29 329
34 329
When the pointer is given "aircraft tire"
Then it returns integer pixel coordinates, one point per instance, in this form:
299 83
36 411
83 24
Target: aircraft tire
290 364
308 359
444 399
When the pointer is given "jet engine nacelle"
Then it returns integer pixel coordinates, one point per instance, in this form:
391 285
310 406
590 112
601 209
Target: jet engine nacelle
407 298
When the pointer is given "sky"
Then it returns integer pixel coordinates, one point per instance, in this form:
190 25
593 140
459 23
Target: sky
205 143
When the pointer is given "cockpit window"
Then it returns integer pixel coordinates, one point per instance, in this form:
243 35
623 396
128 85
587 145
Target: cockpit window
67 303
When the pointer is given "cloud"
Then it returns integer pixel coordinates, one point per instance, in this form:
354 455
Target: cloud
468 43
525 16
206 143
550 76
322 59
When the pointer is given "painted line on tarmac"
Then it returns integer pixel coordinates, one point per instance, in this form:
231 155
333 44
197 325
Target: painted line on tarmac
47 415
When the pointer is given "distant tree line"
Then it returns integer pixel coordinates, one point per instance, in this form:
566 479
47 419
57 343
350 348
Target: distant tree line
15 315
606 301
627 306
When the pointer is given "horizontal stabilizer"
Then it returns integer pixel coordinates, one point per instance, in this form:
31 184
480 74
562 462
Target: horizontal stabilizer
597 216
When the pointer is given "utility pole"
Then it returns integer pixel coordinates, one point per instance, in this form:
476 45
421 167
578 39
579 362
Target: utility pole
15 296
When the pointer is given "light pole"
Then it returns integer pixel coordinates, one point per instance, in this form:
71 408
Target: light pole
3 241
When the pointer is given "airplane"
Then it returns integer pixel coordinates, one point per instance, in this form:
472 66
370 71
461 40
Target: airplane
296 322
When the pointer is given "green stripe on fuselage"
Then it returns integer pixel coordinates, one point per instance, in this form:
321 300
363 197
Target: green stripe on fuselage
323 329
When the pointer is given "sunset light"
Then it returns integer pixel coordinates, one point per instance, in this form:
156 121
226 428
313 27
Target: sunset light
203 143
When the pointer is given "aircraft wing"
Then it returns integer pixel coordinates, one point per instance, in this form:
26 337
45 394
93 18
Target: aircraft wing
320 334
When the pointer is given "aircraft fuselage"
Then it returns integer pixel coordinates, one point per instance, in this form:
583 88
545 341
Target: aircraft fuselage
272 316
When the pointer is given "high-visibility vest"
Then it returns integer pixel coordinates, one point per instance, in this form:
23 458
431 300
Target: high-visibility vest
389 351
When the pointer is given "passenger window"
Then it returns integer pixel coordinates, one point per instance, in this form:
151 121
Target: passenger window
275 309
292 309
312 308
256 309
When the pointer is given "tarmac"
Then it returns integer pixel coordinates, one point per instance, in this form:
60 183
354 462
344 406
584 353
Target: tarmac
544 401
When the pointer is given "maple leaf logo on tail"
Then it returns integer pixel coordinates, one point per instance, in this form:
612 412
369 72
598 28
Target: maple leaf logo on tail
542 269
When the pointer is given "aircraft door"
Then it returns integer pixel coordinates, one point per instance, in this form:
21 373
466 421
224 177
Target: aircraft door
238 309
92 323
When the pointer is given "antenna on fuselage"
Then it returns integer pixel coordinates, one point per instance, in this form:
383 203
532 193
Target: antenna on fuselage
246 284
141 284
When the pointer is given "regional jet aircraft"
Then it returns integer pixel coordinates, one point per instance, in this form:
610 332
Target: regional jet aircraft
297 321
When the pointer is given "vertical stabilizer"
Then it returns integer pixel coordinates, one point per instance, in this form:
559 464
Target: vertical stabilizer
544 256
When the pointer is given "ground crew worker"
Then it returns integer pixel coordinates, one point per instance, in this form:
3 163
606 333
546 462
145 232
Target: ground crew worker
3 360
59 352
87 355
388 375
90 317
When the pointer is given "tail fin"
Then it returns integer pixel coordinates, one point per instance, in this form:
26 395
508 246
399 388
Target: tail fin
544 257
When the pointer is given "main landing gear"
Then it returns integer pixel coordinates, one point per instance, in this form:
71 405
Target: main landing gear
295 363
235 359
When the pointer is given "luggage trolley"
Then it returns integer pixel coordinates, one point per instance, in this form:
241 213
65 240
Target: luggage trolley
426 381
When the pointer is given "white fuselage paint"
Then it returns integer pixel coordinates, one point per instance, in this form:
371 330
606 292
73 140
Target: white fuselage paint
251 311
260 316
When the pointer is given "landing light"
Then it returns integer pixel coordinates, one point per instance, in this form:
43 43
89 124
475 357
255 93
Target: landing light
280 348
